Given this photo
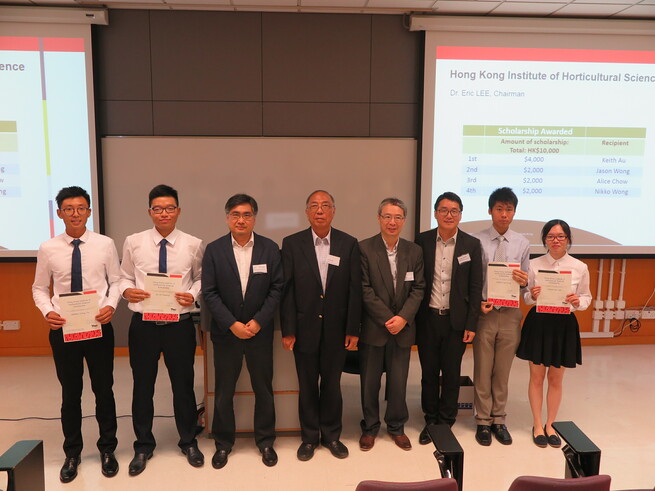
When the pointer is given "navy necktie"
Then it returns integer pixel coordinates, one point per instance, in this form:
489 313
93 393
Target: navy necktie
76 267
162 255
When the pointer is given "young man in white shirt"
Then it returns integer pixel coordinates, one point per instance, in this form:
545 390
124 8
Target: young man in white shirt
81 260
499 328
162 249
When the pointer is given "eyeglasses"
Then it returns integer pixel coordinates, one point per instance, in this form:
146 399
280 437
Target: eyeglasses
559 238
388 218
322 206
158 210
445 211
69 212
237 216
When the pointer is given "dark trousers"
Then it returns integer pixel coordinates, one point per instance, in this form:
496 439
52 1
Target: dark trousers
372 362
320 405
177 341
228 359
440 349
69 362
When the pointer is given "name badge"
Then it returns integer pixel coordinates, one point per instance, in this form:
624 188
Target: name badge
259 269
464 258
333 260
409 276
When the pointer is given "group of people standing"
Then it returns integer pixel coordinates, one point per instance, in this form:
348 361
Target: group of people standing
379 296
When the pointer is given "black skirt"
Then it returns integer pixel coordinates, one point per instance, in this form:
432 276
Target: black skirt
550 340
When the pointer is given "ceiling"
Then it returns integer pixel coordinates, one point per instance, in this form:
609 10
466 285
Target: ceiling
603 9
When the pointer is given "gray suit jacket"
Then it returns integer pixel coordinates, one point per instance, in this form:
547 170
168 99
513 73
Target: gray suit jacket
380 301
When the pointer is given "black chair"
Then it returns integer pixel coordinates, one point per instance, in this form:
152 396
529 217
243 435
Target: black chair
23 463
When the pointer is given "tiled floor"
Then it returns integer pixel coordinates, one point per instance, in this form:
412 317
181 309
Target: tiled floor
611 398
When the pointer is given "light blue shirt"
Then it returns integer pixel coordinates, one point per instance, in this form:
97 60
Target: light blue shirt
517 249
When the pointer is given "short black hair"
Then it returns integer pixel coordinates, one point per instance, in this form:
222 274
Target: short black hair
549 225
319 191
503 195
241 199
449 195
72 192
162 191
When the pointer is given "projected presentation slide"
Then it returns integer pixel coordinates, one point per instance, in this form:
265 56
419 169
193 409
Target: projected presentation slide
572 132
44 135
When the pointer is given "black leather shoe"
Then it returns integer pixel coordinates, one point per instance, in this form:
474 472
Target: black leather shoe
68 471
553 440
337 449
269 457
138 464
109 464
501 434
194 456
483 435
305 451
424 437
539 440
220 459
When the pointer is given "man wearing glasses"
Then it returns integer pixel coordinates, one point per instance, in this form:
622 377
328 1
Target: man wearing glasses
320 316
241 285
448 316
162 250
75 261
393 282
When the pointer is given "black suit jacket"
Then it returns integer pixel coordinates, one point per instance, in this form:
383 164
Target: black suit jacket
466 279
221 287
308 313
381 301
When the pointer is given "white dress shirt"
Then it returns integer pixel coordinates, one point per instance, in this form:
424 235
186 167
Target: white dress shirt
443 271
579 277
100 270
517 250
141 256
243 258
392 255
322 248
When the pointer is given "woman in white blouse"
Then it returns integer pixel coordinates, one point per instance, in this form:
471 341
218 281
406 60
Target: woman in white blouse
551 341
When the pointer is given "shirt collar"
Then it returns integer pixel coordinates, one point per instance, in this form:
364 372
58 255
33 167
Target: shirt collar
494 234
552 261
395 247
84 237
170 238
250 243
316 237
453 238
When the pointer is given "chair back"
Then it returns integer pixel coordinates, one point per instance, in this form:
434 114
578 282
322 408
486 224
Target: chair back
534 483
432 485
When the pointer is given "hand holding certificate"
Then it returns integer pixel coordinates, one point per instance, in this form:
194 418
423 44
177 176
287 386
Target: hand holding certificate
555 286
502 289
162 305
80 310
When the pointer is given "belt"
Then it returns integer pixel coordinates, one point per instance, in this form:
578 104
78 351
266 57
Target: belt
440 311
183 317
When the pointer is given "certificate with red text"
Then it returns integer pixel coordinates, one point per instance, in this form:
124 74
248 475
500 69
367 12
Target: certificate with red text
502 290
555 286
80 310
162 306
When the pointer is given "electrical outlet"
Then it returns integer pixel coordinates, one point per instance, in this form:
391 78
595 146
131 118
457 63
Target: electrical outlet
619 314
608 314
11 325
633 314
648 314
597 314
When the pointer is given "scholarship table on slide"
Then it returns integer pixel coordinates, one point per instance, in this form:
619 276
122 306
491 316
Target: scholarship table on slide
553 161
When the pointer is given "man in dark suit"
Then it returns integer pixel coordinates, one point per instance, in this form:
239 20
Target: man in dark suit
393 282
242 284
448 316
320 315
